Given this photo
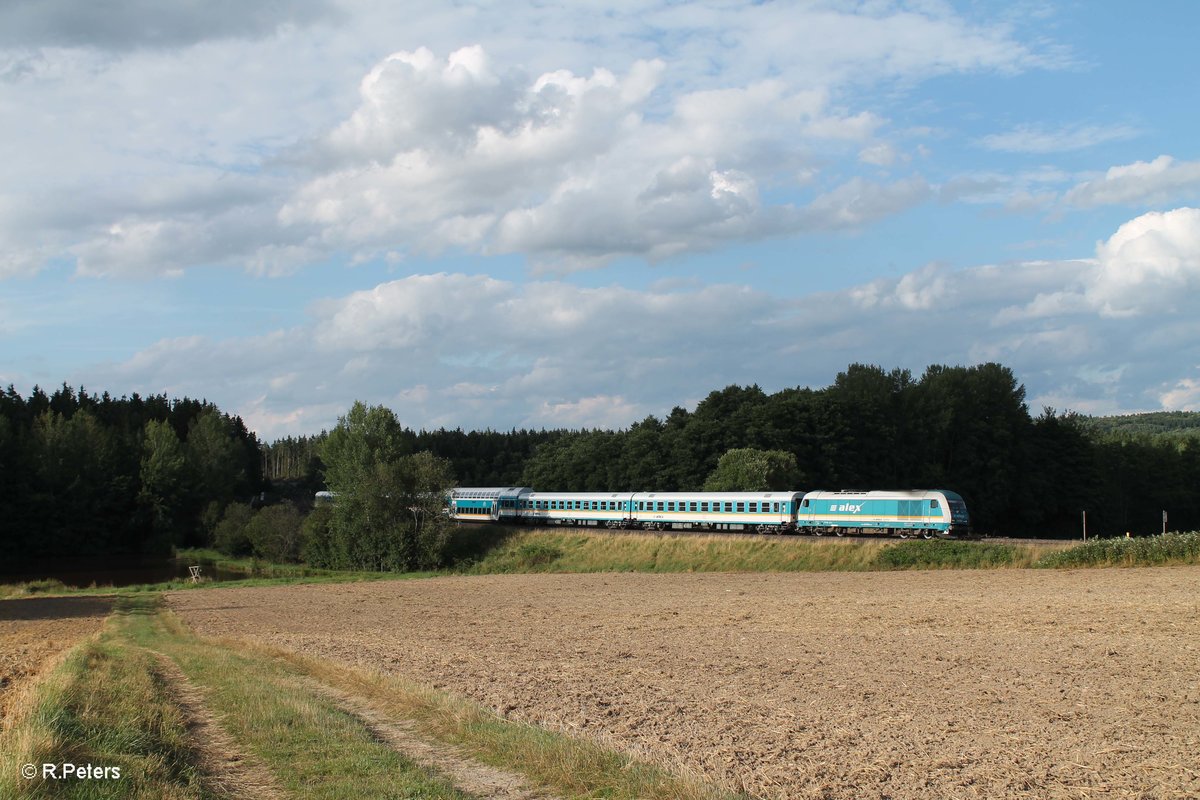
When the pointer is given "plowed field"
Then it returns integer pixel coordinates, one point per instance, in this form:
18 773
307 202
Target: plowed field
34 630
1007 683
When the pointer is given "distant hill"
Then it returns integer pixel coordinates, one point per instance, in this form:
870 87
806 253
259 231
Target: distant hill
1155 424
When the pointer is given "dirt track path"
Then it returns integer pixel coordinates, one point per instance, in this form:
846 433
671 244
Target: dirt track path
869 685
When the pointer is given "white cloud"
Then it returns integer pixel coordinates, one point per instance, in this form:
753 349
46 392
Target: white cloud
475 351
571 170
881 154
486 149
599 411
124 24
858 202
1184 395
1150 265
1159 181
1041 140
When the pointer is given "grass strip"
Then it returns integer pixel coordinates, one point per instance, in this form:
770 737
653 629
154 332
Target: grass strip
942 554
1141 551
524 551
314 749
106 705
498 549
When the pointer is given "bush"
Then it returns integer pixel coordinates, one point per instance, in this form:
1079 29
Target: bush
944 554
230 534
536 554
274 533
316 538
1167 548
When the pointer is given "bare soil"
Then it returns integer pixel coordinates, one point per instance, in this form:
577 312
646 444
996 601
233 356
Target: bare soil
34 631
973 684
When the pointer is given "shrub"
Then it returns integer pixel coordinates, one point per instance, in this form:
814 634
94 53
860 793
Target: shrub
316 538
274 533
944 554
1167 548
230 534
536 554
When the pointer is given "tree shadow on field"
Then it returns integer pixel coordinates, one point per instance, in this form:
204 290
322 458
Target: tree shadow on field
41 608
472 542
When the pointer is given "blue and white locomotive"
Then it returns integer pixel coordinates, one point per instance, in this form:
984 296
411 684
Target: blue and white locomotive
894 513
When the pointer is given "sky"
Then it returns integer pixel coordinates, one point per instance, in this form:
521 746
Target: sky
576 215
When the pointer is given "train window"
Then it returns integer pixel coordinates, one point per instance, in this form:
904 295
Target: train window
704 506
753 508
729 508
741 506
660 505
671 506
775 507
933 504
805 504
691 507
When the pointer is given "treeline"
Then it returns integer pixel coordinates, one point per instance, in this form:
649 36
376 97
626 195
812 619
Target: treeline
478 458
962 428
1165 426
84 474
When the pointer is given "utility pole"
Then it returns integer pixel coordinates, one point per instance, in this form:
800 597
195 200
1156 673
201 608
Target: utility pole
1164 522
1085 526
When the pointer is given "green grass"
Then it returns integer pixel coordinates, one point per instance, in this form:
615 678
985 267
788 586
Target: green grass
562 550
27 588
941 554
314 749
498 549
1140 551
107 705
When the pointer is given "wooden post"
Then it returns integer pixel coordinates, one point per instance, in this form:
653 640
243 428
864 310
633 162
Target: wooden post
1085 526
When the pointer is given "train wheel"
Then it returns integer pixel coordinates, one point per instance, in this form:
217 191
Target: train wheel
840 531
926 534
903 534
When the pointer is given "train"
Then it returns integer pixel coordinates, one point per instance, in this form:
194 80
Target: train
906 513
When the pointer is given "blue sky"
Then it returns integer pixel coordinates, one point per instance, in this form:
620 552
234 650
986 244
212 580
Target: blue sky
485 214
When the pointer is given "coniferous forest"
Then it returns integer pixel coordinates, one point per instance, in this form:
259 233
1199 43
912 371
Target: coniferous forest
85 474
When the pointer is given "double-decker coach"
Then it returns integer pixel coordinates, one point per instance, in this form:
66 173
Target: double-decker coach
486 505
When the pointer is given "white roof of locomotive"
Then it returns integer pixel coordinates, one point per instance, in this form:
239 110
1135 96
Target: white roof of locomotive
882 494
